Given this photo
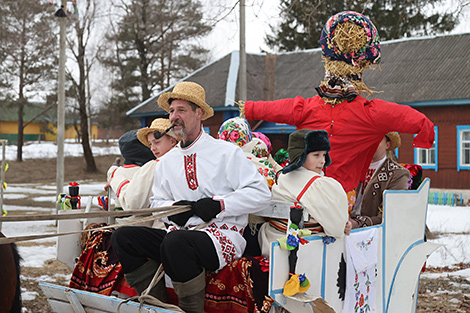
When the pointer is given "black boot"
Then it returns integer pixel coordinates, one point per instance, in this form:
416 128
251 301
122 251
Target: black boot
191 294
140 279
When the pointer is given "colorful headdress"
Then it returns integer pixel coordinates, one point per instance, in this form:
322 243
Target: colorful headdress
264 138
368 42
236 130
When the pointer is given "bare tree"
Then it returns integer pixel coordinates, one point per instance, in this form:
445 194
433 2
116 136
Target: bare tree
28 52
83 22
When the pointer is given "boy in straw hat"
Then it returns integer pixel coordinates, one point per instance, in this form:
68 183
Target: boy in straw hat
383 174
134 191
350 44
220 185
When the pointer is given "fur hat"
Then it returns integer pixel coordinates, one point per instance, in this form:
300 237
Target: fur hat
160 124
395 140
133 151
304 141
188 91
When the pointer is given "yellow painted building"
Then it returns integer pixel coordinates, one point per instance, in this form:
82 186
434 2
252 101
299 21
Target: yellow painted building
41 129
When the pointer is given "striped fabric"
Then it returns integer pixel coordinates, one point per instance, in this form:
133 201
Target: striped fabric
281 225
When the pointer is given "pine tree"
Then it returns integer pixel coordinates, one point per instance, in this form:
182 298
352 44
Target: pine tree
152 44
303 20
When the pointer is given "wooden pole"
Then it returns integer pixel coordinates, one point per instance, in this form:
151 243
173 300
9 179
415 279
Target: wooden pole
2 179
61 108
242 69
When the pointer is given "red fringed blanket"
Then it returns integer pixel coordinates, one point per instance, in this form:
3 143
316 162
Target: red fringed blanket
98 268
241 286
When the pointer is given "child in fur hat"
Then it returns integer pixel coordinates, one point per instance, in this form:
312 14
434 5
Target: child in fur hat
304 182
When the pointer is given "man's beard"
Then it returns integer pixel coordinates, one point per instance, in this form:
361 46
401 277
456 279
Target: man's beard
180 132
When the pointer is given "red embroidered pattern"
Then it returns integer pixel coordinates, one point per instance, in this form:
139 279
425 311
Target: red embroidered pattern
190 170
228 249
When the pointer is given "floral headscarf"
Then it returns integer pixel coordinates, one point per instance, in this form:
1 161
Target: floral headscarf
256 147
236 130
370 51
264 138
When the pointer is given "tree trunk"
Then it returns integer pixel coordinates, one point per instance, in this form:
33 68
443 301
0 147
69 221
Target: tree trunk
19 144
82 102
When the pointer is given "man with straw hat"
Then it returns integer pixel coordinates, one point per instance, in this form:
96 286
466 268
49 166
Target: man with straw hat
383 174
350 44
220 185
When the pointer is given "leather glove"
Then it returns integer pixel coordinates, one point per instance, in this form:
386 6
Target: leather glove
181 218
207 208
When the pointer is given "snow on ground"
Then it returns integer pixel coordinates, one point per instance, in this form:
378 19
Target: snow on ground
48 149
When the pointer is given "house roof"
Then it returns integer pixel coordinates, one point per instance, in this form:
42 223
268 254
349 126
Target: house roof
10 113
415 71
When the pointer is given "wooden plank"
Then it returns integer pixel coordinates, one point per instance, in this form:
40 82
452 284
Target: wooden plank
93 301
73 215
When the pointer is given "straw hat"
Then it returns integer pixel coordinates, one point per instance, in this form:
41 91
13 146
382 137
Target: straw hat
395 140
160 124
188 91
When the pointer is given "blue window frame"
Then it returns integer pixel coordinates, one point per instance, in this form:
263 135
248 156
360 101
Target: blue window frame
463 147
427 158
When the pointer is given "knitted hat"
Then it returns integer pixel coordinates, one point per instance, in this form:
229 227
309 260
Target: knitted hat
160 124
188 91
236 130
304 141
395 140
133 151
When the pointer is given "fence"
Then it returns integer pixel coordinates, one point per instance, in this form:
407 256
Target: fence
444 198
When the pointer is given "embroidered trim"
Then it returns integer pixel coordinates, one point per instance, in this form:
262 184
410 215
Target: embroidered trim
227 247
190 171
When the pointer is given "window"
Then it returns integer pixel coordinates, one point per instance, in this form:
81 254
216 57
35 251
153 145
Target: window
427 158
463 148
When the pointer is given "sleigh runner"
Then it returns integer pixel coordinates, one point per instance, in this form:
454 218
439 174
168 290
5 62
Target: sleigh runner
400 253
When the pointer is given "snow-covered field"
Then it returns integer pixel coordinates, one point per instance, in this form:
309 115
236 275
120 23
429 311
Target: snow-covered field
48 149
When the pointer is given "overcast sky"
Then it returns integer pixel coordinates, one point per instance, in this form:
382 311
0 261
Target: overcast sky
262 13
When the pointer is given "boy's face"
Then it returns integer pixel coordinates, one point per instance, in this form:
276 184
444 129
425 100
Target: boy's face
315 161
160 146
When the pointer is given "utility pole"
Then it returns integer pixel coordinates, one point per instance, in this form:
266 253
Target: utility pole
242 68
61 104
